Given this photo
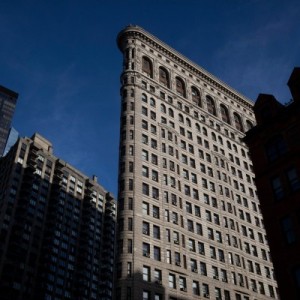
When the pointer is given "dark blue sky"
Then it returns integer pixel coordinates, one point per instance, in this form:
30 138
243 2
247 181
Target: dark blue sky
61 57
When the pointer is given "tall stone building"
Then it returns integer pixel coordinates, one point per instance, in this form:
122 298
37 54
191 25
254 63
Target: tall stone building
274 144
189 220
8 100
57 227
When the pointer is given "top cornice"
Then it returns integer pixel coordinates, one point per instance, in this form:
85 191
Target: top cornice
138 32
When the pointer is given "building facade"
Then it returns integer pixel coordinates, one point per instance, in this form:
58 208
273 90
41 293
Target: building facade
57 227
189 220
274 144
8 101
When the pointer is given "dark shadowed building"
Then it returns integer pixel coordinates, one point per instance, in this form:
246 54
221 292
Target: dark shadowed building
57 227
275 150
8 100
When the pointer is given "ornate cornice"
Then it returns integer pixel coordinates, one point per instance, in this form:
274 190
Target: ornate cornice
137 32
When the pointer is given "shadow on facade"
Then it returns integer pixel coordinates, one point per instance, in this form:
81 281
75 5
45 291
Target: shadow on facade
138 288
53 244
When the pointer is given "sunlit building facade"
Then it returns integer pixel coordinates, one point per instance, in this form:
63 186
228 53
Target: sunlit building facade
57 227
189 220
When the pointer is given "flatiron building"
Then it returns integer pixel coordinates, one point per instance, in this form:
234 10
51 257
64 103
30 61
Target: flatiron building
189 220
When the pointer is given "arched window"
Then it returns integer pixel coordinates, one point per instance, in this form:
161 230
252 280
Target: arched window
147 66
220 140
228 145
124 93
164 77
249 125
144 98
188 122
238 122
224 113
163 108
152 102
204 131
171 113
213 136
211 105
198 127
180 87
180 117
196 96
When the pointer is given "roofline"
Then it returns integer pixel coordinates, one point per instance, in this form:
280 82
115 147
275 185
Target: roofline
205 75
8 92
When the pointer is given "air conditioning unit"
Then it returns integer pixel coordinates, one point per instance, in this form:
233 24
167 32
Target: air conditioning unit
145 231
155 215
176 242
216 277
197 214
202 252
195 270
183 289
206 295
146 254
177 263
174 202
224 279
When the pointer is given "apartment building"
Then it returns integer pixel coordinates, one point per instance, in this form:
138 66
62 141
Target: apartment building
57 227
189 220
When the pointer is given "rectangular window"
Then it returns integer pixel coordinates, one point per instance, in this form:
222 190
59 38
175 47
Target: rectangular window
288 230
156 232
196 289
146 273
145 189
277 188
146 295
156 253
182 283
293 179
172 281
129 245
146 250
146 227
203 269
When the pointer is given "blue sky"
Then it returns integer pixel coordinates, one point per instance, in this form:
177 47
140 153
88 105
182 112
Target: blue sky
62 59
